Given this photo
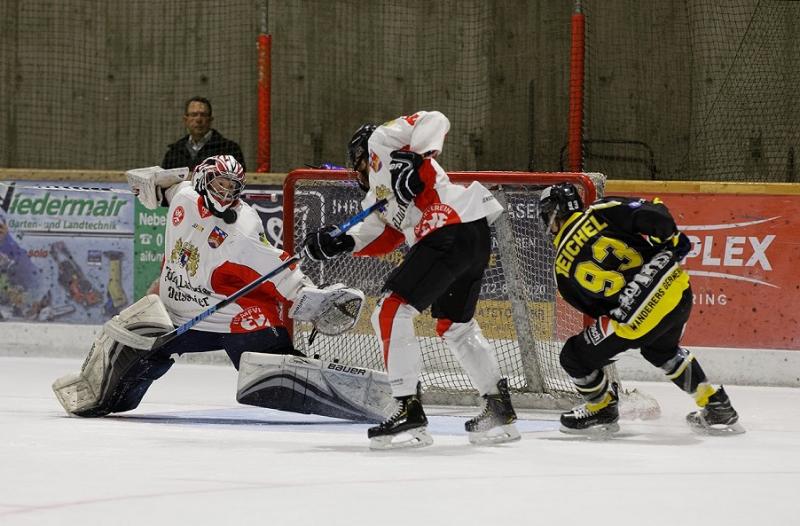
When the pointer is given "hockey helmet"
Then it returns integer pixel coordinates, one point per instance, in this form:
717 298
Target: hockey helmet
558 202
358 153
220 180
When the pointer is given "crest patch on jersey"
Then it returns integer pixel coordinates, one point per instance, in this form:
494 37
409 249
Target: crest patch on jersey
177 215
216 237
186 255
252 318
382 192
375 163
435 216
197 227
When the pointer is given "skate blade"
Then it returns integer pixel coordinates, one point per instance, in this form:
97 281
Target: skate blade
496 435
412 438
601 431
702 428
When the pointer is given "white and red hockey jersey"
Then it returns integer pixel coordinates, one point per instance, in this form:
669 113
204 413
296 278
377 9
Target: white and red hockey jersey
440 203
206 260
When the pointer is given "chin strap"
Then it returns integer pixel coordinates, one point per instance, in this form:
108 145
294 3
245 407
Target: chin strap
228 215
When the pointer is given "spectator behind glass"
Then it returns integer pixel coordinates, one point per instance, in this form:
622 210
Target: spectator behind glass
202 140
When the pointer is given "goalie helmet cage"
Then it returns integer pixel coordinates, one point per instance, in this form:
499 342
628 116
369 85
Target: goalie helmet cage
519 309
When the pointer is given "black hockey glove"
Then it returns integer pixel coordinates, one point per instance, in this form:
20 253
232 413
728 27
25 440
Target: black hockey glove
678 243
406 182
321 245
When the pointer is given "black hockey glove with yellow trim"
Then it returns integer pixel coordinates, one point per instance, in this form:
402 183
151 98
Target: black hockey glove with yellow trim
678 243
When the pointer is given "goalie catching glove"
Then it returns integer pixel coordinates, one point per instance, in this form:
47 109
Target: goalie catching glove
321 245
406 182
149 184
332 310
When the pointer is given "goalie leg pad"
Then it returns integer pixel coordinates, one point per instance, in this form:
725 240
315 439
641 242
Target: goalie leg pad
309 386
111 366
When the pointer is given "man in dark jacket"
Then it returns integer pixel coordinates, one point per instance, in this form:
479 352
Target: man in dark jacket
202 141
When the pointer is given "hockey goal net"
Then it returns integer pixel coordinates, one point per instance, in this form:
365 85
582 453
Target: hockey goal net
519 310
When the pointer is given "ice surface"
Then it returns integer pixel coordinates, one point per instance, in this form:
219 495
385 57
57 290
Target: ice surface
189 455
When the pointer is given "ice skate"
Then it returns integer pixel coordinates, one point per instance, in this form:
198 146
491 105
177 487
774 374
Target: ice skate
598 419
717 418
495 423
405 428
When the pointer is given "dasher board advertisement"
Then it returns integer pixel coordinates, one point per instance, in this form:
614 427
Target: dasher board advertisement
743 267
65 255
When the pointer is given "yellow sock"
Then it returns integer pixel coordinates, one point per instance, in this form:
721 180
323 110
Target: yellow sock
597 406
703 393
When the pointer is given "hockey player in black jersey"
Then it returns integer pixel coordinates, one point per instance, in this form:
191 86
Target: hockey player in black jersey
618 261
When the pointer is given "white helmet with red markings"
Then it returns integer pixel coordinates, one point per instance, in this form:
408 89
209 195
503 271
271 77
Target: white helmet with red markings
220 180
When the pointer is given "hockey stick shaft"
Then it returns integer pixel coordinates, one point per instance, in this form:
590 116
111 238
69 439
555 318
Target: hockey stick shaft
341 229
359 217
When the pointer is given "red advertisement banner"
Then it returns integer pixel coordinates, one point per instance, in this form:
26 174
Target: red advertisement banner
744 268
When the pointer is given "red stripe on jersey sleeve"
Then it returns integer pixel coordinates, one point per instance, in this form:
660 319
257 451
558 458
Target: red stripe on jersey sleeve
389 240
429 195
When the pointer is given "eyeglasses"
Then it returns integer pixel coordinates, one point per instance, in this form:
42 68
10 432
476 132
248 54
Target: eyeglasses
198 114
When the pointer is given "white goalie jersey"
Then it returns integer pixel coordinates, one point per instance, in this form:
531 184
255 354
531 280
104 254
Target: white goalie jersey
206 260
441 202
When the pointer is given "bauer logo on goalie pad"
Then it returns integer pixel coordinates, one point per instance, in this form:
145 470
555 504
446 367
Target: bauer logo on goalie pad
346 369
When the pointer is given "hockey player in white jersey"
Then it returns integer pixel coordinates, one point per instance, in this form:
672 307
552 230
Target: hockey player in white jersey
214 245
447 228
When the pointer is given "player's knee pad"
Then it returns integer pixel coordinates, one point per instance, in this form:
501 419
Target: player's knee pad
473 351
393 321
684 371
99 385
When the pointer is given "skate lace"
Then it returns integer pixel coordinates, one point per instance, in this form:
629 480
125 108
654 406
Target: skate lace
397 415
484 411
582 411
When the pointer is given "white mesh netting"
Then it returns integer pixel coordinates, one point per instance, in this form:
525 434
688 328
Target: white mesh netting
519 310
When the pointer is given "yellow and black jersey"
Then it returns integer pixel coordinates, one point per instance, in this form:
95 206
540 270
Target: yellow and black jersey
602 248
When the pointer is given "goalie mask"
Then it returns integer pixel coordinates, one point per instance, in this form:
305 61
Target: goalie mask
220 180
358 154
557 203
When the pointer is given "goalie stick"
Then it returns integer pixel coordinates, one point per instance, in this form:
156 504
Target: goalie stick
339 230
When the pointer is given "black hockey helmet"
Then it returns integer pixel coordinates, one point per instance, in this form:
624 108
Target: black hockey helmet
558 202
358 152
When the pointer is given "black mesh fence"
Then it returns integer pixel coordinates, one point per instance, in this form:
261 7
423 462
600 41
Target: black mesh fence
698 90
675 90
